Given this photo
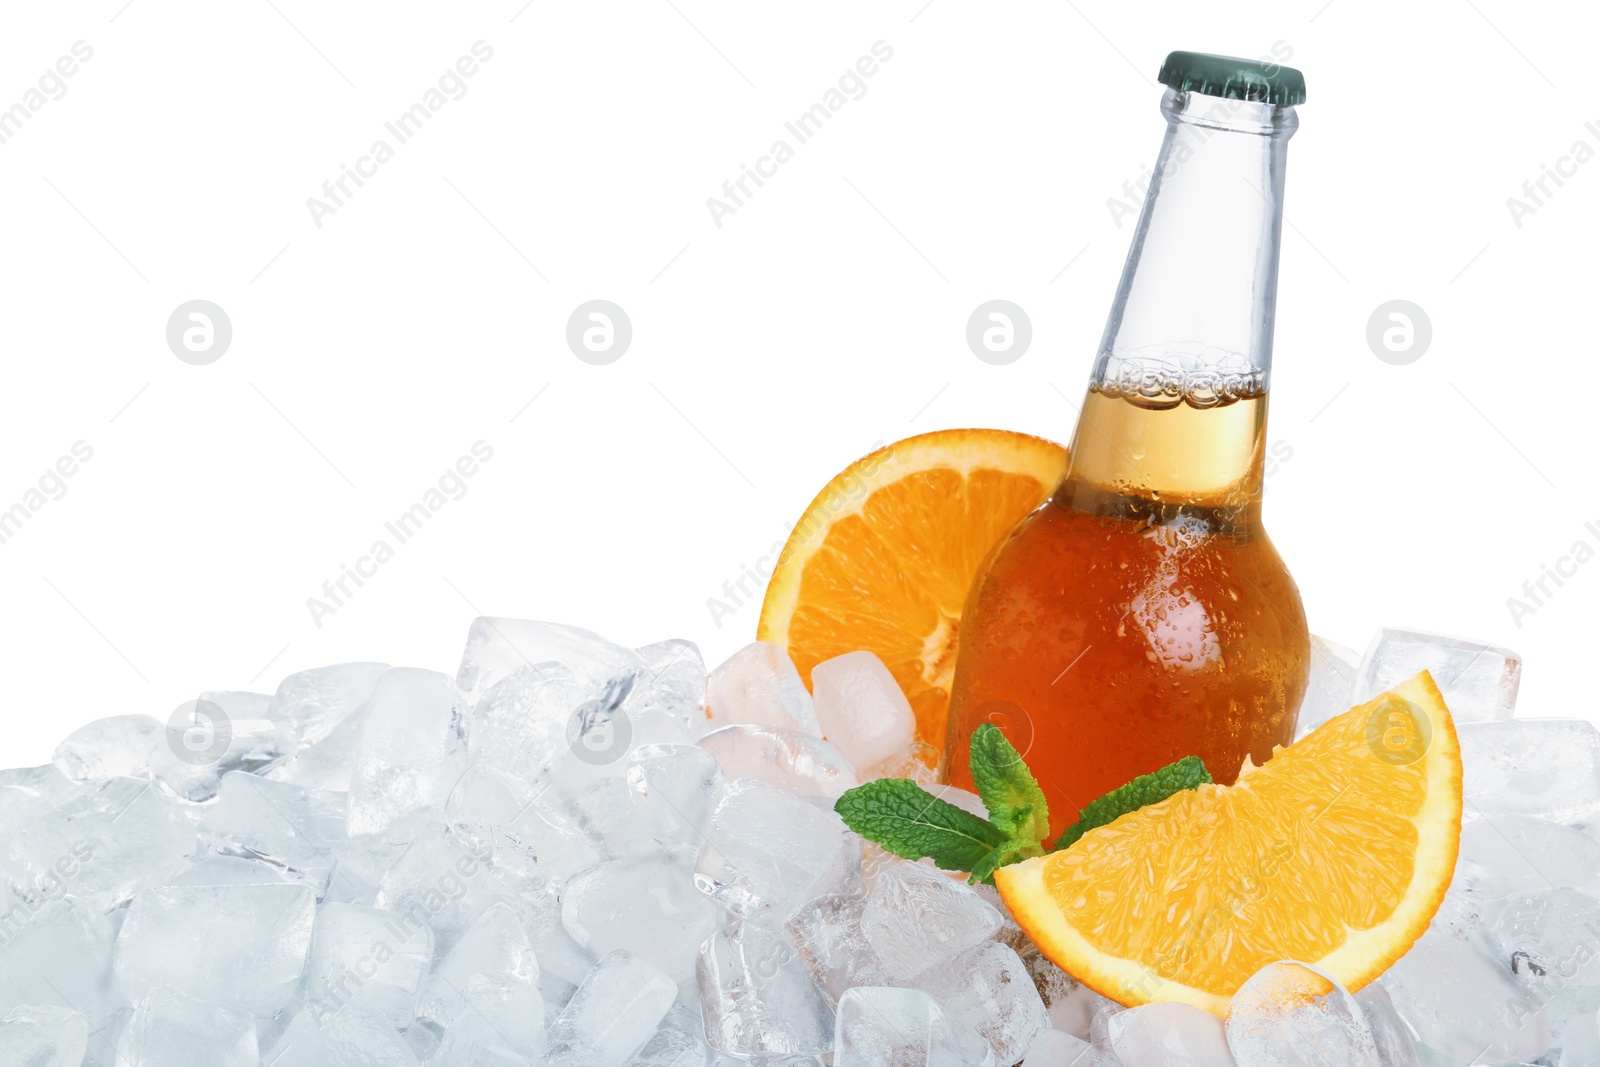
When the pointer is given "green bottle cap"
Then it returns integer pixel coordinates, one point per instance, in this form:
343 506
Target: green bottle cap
1261 81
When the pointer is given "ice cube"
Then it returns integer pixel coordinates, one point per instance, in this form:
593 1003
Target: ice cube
485 994
678 1042
861 709
56 955
495 951
368 955
1070 1004
1461 1004
412 750
107 841
989 986
1170 1035
352 1037
1520 854
1550 942
1389 1032
310 705
757 998
646 903
242 946
1056 1048
790 760
1290 1014
1478 680
666 799
444 884
768 853
28 793
1331 688
499 815
326 764
1544 767
207 738
498 647
916 917
37 1035
520 723
672 688
827 933
117 747
288 828
878 1026
614 1011
759 685
167 1028
680 785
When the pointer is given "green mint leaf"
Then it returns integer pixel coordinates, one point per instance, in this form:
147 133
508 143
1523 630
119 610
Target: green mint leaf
912 823
1010 852
1016 803
1187 773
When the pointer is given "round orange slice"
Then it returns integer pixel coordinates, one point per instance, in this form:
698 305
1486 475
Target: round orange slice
1336 852
882 558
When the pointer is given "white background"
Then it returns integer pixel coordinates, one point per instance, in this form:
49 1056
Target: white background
826 315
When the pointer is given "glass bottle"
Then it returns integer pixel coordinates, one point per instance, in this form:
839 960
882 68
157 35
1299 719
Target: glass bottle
1142 614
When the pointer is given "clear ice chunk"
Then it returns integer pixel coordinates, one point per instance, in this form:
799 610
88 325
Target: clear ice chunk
167 1028
1544 767
290 829
827 933
669 701
1288 1015
1550 942
768 853
677 787
758 685
242 946
56 956
790 760
441 882
106 842
37 1035
645 903
861 709
1520 854
219 733
1169 1035
877 1026
1389 1032
678 1042
498 647
916 917
1478 681
121 746
1461 1004
989 986
520 723
354 1037
1331 689
614 1011
498 815
757 998
310 705
413 748
326 764
1056 1048
485 994
368 955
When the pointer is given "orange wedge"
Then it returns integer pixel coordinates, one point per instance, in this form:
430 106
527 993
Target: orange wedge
1336 852
882 558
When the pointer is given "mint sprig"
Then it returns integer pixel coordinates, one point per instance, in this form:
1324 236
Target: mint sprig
1187 773
912 823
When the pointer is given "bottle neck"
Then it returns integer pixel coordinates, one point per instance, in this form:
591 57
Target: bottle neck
1176 408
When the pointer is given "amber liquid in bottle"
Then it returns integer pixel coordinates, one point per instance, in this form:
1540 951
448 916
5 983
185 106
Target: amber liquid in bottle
1142 614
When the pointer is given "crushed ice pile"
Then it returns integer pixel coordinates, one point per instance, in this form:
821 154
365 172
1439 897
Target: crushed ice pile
584 855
